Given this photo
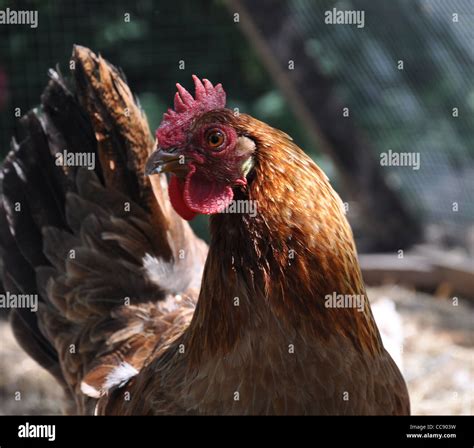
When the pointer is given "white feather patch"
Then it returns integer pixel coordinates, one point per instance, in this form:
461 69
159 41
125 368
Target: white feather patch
90 391
162 273
120 375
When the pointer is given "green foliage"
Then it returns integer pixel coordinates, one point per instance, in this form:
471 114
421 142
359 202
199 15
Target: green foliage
402 110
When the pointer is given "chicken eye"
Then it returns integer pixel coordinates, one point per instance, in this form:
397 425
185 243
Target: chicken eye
215 138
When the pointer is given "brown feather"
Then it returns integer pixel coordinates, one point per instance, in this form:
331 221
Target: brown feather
280 349
118 305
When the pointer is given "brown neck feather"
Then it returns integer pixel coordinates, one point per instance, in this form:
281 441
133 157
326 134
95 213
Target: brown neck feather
283 262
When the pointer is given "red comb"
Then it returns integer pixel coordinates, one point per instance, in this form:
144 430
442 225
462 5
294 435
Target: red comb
172 130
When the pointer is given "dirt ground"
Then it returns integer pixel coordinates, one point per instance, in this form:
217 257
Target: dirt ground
436 338
438 350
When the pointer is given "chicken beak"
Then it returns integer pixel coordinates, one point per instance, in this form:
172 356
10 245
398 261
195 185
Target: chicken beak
170 161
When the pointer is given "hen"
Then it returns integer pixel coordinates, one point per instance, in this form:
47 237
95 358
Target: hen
279 324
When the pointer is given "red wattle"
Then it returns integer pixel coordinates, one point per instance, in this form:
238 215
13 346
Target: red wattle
206 196
175 191
197 194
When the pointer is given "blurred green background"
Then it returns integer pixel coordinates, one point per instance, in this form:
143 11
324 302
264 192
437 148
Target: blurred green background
401 110
149 48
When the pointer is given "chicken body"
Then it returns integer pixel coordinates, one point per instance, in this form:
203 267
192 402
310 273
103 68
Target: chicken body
262 340
128 326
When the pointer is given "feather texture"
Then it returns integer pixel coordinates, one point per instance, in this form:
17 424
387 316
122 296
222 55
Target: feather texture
78 238
123 321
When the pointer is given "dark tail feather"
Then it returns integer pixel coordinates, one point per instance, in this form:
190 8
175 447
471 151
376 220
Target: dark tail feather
50 211
33 196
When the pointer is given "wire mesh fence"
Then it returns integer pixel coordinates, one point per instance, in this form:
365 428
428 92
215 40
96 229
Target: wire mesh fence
405 76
